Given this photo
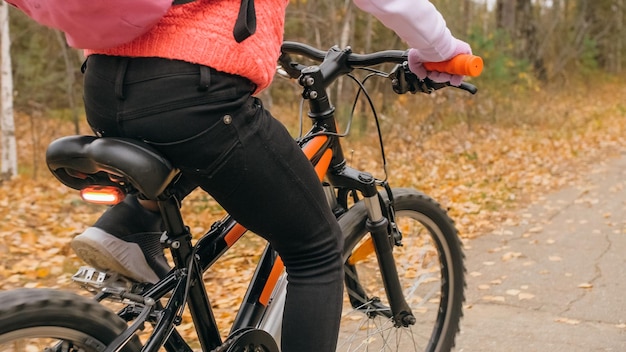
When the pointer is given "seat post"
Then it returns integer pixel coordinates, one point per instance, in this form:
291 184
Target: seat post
177 236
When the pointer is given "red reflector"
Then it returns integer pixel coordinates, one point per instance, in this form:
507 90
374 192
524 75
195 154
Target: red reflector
102 195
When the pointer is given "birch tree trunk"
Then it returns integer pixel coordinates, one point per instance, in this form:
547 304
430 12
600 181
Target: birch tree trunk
8 146
345 39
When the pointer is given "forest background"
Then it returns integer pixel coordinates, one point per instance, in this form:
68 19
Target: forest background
551 101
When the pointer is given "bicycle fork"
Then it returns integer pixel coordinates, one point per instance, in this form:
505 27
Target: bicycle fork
383 238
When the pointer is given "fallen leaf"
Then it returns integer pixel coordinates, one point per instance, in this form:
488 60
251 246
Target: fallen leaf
567 321
42 272
494 298
525 296
510 255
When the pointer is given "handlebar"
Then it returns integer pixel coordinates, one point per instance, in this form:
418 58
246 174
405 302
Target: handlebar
464 64
345 60
354 60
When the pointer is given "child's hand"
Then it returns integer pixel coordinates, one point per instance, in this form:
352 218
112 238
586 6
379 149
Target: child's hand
416 65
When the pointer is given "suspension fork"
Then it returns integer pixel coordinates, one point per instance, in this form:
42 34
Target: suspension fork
379 227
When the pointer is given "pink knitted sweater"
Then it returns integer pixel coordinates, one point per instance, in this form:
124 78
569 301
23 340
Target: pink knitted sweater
202 32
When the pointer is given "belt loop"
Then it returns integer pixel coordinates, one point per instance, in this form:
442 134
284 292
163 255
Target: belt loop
205 78
119 77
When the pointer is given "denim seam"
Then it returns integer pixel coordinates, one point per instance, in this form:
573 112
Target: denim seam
154 109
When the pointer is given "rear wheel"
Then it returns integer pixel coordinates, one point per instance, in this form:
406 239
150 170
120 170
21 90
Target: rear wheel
51 320
430 267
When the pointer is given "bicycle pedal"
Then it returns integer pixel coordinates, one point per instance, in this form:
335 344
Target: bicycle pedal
94 280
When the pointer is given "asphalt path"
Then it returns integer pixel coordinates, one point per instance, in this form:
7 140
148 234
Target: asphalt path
557 281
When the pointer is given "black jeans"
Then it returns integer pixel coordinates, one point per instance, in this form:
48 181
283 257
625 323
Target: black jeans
208 124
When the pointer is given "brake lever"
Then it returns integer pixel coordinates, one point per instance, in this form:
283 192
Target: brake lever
468 87
404 81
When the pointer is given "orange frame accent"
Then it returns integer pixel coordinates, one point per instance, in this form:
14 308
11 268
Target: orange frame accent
277 270
314 145
322 165
234 234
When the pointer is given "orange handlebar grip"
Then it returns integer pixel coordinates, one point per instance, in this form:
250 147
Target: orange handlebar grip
464 65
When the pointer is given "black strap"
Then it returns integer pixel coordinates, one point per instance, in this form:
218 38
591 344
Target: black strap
245 25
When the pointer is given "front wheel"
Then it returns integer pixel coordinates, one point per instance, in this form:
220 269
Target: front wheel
429 261
51 320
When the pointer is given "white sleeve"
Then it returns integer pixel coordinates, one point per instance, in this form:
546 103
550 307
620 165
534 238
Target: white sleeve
417 22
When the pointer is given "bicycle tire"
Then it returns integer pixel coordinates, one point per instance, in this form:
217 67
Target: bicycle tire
431 270
53 320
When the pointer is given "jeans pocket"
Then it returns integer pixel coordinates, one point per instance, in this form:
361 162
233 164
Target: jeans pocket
213 158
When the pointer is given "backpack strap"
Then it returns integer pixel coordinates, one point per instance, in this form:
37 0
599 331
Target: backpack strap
245 26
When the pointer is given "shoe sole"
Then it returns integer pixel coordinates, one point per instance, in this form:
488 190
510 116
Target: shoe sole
104 251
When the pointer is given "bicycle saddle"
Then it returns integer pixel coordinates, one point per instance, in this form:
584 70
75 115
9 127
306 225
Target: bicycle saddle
81 161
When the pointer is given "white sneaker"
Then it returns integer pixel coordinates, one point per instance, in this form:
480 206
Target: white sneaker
104 251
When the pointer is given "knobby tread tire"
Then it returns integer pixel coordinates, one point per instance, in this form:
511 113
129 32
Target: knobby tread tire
29 308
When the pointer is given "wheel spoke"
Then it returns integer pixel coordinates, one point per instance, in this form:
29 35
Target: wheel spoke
429 259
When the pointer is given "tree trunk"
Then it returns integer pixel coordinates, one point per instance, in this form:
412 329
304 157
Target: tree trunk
344 40
617 47
8 144
526 35
468 16
620 30
70 69
505 15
